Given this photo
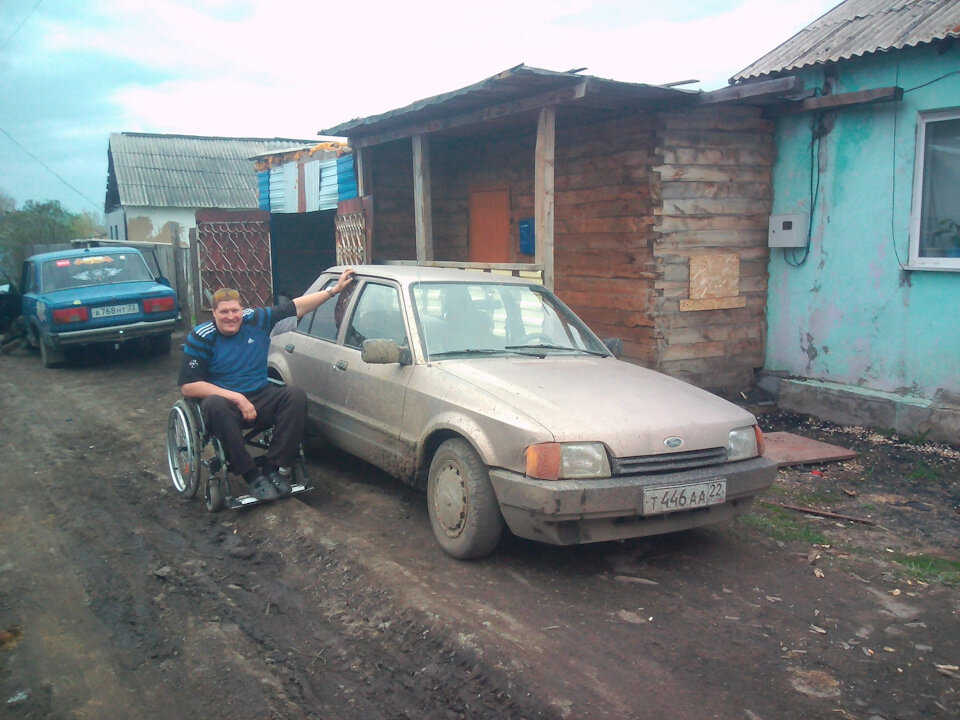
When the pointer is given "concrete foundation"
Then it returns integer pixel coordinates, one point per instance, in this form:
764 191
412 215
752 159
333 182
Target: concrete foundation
935 419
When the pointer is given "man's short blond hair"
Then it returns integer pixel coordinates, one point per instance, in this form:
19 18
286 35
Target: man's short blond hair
222 295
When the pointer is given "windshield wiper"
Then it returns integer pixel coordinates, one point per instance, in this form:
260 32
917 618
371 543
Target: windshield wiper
466 351
555 347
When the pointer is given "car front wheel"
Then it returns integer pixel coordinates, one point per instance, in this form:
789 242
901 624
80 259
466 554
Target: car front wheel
463 508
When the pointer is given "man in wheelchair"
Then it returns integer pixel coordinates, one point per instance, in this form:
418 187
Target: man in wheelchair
224 366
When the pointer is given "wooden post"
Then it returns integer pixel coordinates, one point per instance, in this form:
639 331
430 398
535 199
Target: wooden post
423 209
543 191
361 157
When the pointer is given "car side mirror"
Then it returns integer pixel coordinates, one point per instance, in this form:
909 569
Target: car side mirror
615 346
384 352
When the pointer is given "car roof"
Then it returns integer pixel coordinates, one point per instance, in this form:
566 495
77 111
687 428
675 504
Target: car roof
409 274
79 252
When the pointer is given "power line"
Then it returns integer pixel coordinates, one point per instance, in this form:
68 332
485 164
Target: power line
49 169
20 26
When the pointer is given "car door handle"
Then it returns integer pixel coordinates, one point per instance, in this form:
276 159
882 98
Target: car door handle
288 347
340 365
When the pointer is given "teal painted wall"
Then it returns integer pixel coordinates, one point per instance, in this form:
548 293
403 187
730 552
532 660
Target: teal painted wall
850 313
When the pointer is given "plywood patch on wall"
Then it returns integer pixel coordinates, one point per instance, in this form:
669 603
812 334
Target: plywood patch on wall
714 283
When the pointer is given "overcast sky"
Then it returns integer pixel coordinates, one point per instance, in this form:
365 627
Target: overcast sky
73 71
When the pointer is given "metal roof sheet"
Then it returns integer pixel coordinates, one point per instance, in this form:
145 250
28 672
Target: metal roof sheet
515 83
189 170
860 27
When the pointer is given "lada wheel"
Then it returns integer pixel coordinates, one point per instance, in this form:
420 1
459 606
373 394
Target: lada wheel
463 508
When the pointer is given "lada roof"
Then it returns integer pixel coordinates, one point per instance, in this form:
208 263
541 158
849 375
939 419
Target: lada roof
80 252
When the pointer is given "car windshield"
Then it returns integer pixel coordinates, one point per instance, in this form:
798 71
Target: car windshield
89 269
463 319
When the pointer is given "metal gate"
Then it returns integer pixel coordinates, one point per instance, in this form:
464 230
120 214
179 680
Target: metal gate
354 229
233 250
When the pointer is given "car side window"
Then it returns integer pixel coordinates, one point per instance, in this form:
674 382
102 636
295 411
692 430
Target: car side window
321 323
29 278
376 316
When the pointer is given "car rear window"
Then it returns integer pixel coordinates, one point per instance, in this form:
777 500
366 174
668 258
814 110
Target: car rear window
99 269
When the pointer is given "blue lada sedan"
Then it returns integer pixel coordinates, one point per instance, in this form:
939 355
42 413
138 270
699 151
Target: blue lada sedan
72 298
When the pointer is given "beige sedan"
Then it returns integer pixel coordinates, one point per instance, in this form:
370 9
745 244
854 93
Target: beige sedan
490 393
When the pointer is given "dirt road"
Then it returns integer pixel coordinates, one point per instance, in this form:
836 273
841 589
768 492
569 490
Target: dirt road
120 600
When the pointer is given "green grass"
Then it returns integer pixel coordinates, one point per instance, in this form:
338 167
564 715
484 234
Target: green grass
782 524
929 569
925 473
820 497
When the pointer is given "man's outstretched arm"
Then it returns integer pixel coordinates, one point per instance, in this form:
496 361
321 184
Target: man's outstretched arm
306 303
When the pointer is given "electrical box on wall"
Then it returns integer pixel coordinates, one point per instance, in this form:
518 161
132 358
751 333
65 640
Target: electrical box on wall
789 231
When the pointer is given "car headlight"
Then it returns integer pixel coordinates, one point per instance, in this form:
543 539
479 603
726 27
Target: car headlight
744 443
556 461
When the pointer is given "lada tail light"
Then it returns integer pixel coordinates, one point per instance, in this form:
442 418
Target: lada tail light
71 315
160 304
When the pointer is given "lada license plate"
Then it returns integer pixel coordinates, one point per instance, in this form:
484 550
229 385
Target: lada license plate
111 310
673 498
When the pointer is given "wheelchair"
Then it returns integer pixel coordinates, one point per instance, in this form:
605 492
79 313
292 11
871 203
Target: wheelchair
197 460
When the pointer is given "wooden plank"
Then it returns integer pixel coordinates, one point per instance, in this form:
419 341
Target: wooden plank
717 303
673 223
827 102
714 190
684 241
687 138
422 200
544 191
712 207
758 89
514 107
716 156
712 173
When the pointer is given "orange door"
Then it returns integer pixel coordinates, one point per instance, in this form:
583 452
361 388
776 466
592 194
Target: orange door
490 225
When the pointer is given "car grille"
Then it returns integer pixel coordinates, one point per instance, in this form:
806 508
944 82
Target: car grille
668 462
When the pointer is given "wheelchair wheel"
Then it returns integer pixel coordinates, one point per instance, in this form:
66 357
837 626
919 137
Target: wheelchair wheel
216 488
183 449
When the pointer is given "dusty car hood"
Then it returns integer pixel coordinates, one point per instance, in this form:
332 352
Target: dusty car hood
632 409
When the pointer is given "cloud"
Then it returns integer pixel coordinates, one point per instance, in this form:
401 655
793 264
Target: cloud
78 71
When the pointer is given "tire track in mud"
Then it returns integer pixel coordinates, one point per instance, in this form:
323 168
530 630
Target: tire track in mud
212 616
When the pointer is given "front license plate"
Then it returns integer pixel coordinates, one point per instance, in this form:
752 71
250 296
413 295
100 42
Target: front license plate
673 498
112 310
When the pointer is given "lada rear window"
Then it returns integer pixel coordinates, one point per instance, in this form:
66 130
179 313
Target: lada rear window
99 269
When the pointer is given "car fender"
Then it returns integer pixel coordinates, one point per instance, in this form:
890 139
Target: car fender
451 422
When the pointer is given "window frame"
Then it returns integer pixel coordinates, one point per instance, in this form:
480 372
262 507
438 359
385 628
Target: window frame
916 261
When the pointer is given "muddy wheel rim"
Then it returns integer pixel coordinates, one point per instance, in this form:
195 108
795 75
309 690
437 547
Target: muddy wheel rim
450 500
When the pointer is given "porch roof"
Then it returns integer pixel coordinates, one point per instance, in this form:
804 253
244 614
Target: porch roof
513 91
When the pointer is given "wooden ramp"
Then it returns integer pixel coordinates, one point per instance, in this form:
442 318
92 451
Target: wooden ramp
789 449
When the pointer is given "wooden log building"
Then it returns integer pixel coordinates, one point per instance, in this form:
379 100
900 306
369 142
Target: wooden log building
645 208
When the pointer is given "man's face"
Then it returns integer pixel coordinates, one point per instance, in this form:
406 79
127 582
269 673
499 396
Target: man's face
228 316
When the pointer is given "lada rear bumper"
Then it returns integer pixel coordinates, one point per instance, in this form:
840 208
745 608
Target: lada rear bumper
112 333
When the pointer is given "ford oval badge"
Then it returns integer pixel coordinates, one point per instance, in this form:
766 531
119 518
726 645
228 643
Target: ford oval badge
673 442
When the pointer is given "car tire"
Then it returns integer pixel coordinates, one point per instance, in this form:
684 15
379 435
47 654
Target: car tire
463 508
49 356
160 344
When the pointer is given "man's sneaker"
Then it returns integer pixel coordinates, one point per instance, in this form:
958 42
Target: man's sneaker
262 489
281 483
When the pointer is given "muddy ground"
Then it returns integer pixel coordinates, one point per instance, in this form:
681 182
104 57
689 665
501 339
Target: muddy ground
118 599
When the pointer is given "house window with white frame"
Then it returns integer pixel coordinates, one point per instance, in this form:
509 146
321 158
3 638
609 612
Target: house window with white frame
935 218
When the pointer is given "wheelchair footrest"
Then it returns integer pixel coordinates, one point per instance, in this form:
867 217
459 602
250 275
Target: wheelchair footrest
245 501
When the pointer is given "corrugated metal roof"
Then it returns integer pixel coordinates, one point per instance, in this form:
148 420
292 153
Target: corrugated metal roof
860 27
513 84
188 170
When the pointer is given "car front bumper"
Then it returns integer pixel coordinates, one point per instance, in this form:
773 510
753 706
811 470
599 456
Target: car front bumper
569 512
112 333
